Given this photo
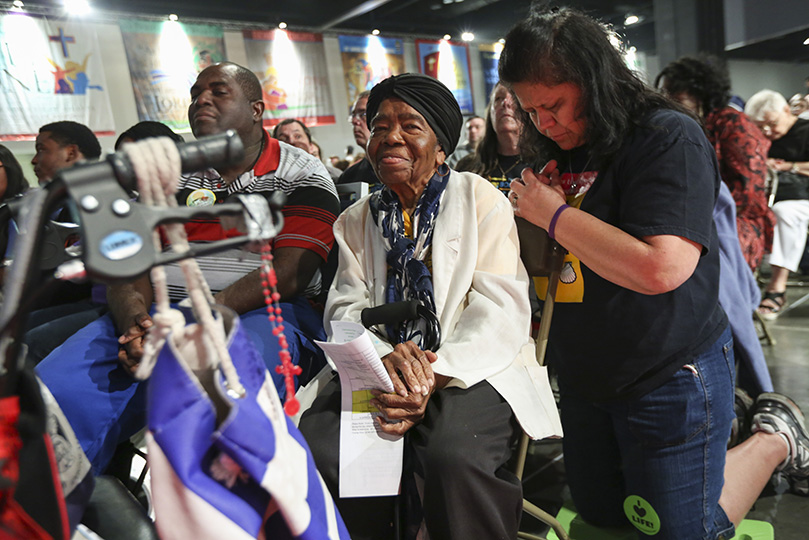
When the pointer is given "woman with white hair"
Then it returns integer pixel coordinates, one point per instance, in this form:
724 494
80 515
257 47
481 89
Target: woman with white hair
789 155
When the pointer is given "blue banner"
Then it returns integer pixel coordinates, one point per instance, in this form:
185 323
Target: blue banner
449 63
489 60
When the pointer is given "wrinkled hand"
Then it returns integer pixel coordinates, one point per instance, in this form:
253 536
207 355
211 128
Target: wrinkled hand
413 383
131 342
536 196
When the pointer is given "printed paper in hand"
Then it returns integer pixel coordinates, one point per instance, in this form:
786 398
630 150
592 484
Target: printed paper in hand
370 460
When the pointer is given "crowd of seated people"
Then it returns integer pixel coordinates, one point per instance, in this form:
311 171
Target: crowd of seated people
50 326
105 415
630 182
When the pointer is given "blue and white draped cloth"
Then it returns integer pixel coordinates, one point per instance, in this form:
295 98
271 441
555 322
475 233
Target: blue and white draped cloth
408 277
225 466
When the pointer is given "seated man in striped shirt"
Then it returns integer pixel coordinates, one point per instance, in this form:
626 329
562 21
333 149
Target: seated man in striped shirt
90 375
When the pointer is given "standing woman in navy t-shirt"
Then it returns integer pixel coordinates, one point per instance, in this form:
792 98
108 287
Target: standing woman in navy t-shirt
641 347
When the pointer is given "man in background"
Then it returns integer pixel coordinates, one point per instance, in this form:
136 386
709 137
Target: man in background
294 132
60 145
360 171
475 128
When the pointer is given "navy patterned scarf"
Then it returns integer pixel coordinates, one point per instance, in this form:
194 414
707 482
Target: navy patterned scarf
408 275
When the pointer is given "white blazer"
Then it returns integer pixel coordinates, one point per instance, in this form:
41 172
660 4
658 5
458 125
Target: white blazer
481 295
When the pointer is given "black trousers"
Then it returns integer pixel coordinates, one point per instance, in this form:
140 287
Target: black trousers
459 451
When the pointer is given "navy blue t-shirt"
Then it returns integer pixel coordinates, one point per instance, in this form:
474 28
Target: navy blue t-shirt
617 343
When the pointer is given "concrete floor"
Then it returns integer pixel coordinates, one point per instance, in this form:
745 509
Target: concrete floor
788 361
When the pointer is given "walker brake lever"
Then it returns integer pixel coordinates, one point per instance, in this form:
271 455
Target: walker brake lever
117 233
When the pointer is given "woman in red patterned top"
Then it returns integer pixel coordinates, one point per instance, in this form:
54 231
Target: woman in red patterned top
702 84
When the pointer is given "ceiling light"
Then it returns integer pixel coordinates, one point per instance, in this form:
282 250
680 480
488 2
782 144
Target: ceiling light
806 41
282 25
375 31
173 17
446 37
17 4
631 19
77 7
468 36
501 41
447 1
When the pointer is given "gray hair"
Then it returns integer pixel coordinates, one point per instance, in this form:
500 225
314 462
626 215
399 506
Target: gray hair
763 102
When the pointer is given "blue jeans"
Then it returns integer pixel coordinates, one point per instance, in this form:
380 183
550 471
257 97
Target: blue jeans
49 327
105 405
665 450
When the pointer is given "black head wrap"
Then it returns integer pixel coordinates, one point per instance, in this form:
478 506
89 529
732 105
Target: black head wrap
429 97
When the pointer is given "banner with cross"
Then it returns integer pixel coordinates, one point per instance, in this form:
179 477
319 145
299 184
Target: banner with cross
50 70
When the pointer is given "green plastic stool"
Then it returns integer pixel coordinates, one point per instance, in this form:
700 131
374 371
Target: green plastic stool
578 529
749 529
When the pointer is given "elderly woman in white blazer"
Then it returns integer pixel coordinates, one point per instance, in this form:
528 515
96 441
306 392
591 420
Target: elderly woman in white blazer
449 240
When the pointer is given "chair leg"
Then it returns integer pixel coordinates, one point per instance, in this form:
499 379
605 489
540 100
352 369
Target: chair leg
522 453
527 506
533 510
768 337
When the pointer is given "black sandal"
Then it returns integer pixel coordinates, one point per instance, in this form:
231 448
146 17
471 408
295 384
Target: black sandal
772 304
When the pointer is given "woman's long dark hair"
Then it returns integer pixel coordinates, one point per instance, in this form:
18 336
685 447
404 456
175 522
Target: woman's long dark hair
485 160
566 46
16 183
486 151
704 77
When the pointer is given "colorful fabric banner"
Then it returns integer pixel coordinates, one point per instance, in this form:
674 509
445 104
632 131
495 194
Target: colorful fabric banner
292 69
368 60
164 59
49 71
449 63
489 60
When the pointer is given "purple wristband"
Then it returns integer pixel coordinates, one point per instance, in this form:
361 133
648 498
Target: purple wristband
554 219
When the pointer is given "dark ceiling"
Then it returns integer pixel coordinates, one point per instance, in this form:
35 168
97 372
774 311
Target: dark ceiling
787 47
489 20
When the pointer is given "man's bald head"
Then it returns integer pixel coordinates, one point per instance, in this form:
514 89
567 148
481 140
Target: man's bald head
226 96
247 80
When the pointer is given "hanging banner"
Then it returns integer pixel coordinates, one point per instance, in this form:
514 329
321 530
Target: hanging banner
368 60
164 59
294 80
489 60
49 71
449 63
